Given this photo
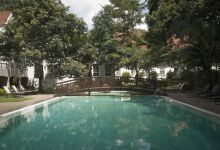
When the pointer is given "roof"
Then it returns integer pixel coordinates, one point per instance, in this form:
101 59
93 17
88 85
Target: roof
4 16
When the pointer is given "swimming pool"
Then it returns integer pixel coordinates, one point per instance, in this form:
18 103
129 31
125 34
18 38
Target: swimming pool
109 123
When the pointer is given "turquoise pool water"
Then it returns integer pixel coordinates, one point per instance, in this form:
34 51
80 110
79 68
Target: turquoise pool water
110 123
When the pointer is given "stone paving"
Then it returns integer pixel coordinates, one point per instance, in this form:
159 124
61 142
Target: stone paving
196 101
10 106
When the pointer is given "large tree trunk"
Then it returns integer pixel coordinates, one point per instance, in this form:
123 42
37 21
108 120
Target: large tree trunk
136 76
90 70
9 73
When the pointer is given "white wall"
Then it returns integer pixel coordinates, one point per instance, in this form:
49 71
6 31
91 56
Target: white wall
161 69
3 69
1 29
120 71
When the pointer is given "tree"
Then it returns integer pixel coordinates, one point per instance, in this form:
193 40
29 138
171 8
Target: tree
135 57
103 37
88 54
43 30
186 32
117 18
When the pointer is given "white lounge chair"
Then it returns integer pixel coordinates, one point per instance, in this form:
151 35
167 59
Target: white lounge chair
23 90
16 90
7 90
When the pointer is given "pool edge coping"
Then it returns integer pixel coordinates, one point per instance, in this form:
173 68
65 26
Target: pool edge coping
2 116
194 107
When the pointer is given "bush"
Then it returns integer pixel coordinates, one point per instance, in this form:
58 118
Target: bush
153 75
2 91
126 76
141 74
14 81
170 75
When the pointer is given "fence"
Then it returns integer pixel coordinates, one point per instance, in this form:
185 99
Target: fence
106 82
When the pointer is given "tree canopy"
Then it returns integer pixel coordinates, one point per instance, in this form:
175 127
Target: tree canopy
117 18
185 32
43 30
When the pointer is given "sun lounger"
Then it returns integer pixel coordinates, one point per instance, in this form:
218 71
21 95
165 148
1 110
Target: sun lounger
28 91
16 90
180 86
7 90
204 90
216 99
215 92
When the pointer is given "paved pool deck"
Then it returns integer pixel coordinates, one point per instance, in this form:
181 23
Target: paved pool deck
194 101
34 99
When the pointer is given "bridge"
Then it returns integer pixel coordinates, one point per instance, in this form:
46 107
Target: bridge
80 86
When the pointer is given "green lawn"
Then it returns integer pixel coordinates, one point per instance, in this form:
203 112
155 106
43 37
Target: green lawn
12 99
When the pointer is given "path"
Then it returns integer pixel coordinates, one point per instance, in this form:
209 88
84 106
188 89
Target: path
10 106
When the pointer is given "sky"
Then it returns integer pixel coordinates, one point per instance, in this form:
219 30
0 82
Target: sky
87 9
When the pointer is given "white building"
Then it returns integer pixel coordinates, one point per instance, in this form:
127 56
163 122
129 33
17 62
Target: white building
162 71
106 70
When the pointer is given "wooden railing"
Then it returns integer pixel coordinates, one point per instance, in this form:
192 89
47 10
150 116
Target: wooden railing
105 82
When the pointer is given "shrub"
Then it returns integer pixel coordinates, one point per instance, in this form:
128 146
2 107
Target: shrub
2 91
126 76
141 74
170 75
15 81
152 75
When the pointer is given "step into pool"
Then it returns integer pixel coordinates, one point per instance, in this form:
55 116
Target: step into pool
109 123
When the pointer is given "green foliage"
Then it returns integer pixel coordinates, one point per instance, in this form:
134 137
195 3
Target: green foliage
126 74
170 75
13 99
126 77
185 32
2 91
72 68
42 30
15 81
152 75
117 17
141 74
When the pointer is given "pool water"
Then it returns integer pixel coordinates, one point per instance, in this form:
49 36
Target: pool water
110 123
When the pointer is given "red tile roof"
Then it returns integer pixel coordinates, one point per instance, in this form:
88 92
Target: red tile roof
4 15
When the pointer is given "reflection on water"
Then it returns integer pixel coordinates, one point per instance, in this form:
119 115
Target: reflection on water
29 114
178 127
125 98
109 122
46 113
3 123
143 145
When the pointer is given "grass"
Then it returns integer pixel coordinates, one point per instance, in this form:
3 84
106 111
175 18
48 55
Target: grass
4 99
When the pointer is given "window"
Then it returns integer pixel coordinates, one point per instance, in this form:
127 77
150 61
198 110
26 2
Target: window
118 72
95 70
162 72
133 72
108 70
